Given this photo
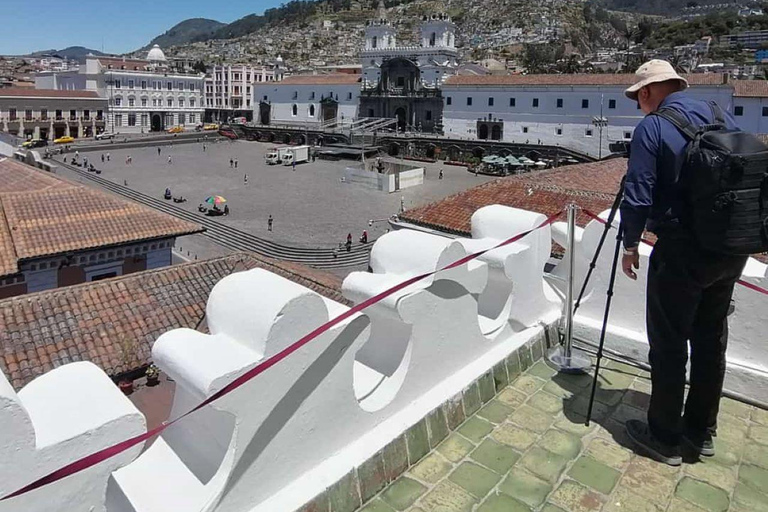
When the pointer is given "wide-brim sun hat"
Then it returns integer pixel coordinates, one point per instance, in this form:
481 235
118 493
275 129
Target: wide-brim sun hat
651 72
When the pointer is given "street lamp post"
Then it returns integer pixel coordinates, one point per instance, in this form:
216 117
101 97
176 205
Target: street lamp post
600 122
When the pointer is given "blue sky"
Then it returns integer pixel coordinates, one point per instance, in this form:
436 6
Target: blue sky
120 25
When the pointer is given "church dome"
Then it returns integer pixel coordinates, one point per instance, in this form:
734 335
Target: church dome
156 53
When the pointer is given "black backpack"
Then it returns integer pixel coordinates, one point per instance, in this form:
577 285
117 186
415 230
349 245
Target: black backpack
724 180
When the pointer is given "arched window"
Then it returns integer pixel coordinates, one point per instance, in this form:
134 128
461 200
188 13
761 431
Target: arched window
294 109
312 110
432 39
373 42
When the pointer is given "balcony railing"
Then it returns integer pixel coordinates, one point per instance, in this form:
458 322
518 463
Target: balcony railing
401 92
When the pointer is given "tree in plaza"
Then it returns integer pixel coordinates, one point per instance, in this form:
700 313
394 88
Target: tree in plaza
199 66
540 58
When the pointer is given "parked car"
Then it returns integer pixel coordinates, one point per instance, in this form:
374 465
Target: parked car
176 129
104 136
64 140
35 143
211 126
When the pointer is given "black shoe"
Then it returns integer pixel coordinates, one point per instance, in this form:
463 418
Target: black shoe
700 443
642 436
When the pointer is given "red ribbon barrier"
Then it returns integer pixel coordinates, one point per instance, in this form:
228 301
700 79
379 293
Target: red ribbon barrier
111 451
646 242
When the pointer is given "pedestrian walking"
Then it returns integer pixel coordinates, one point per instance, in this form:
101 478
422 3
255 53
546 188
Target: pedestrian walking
689 286
231 163
269 223
293 164
170 161
203 148
158 150
235 163
102 158
245 179
108 157
440 175
125 183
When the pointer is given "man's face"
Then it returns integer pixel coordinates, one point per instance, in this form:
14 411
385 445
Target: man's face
645 100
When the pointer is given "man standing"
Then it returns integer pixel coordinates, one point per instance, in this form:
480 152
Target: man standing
689 287
269 223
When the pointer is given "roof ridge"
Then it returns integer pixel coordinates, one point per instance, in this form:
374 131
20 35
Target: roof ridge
10 233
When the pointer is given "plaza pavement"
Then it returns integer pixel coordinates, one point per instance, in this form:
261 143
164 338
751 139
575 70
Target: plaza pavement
528 450
311 206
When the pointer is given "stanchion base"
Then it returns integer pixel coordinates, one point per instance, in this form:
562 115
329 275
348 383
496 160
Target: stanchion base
576 363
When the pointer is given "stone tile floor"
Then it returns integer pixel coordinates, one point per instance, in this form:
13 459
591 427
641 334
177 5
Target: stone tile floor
528 450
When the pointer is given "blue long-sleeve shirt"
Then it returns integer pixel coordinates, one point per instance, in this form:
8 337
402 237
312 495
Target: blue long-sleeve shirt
652 195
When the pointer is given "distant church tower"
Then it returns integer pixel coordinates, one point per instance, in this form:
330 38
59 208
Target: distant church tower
438 31
379 33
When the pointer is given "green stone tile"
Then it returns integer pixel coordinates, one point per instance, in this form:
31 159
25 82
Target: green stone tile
624 500
574 424
527 384
500 376
732 429
532 419
447 496
551 508
496 456
562 443
544 463
403 493
758 433
417 439
735 408
495 411
579 405
537 349
554 388
437 427
642 385
609 397
609 453
512 397
616 380
594 474
575 382
526 359
638 399
502 503
546 402
474 479
514 436
750 499
471 399
541 370
372 477
344 496
650 480
702 495
624 413
760 416
727 454
487 387
513 366
395 456
455 448
755 454
576 498
377 505
525 487
431 468
624 368
454 412
475 429
680 505
754 476
714 474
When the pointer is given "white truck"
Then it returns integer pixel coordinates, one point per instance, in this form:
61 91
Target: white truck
275 155
297 154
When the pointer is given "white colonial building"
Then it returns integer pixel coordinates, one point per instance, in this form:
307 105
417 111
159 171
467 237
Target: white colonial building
308 100
566 110
229 89
436 55
144 95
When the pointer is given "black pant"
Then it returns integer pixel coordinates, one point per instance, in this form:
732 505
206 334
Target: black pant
689 293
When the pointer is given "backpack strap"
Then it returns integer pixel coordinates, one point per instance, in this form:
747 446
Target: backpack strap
678 120
717 113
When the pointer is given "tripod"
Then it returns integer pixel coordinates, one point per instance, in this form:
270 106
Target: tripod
609 292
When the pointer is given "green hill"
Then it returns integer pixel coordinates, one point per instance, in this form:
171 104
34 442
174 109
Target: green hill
188 31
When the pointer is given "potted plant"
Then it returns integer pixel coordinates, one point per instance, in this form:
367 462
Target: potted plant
128 355
153 375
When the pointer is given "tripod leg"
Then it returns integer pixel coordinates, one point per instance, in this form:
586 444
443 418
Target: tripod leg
609 296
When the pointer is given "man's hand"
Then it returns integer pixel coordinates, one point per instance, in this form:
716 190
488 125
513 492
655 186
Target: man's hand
630 260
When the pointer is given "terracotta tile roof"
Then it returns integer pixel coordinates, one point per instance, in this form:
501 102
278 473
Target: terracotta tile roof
47 93
92 321
334 79
750 88
130 64
46 215
624 79
591 185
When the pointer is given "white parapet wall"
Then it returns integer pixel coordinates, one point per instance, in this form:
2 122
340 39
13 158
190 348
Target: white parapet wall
287 435
747 355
